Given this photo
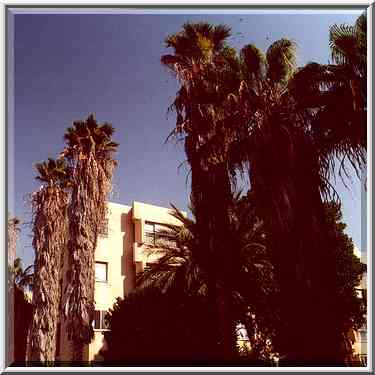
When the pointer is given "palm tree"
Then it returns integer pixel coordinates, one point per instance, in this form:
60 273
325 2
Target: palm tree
178 270
338 94
50 228
268 130
177 267
289 144
349 51
89 153
202 64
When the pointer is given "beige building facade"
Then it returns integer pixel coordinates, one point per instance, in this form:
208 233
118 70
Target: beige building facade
360 336
120 254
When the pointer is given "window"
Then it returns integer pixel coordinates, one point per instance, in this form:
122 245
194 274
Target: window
101 272
150 233
103 229
149 266
153 235
99 320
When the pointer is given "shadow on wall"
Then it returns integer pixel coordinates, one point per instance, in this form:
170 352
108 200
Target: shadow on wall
127 259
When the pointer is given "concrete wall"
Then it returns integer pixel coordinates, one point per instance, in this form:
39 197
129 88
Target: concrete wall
112 249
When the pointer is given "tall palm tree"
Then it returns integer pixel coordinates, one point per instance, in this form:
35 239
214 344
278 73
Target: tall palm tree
89 152
289 145
50 229
202 64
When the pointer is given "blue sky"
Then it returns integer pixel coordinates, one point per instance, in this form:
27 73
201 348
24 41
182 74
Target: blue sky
69 65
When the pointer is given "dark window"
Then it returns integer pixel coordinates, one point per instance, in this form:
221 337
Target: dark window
150 233
149 266
101 272
157 234
99 319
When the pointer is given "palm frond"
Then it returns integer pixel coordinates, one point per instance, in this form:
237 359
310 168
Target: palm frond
253 60
219 35
281 60
343 44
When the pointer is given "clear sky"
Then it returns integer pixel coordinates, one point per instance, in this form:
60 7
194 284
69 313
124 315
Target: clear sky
69 65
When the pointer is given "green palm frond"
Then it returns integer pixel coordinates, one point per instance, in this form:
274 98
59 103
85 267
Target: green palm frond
361 23
219 34
107 129
309 83
281 60
253 60
178 214
171 60
361 32
84 136
182 45
53 171
343 44
196 40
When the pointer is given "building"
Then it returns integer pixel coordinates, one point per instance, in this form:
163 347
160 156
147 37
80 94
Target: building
360 336
119 256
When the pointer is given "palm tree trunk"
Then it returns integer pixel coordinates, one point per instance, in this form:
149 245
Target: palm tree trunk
287 190
211 196
50 230
78 302
87 211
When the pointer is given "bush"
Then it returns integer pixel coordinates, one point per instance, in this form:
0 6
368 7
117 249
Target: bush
152 328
